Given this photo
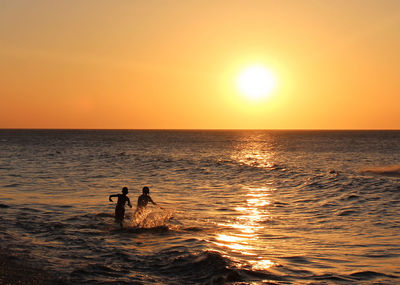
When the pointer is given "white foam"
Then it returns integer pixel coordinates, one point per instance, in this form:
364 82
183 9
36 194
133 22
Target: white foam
150 218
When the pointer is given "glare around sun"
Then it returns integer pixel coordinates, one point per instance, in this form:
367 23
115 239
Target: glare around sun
256 82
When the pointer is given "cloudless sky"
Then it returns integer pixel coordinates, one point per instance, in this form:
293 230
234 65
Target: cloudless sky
173 64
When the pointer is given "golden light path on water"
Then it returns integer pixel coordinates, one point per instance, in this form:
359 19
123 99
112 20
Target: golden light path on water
243 230
242 234
256 153
254 157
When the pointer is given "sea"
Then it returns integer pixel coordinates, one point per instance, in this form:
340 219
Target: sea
233 207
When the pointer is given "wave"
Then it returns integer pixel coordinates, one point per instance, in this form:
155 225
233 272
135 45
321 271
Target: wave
205 267
366 275
390 170
357 277
14 185
346 213
297 259
4 206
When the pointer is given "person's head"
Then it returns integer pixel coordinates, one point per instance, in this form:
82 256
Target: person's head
125 190
146 190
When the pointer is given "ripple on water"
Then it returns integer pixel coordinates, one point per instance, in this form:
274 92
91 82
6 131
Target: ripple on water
368 275
297 259
13 185
346 213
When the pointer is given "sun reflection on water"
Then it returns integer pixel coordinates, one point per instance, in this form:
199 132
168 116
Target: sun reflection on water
241 239
243 231
255 154
227 238
254 159
262 264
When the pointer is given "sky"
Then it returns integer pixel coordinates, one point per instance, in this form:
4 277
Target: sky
172 64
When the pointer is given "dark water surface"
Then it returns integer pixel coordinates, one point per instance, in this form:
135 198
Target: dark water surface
284 207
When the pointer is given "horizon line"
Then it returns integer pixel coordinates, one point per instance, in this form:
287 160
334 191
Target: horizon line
188 129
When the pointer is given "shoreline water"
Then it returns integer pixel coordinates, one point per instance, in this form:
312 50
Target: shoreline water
17 270
253 206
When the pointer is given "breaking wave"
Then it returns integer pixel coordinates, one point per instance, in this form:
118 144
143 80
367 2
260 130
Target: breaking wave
390 170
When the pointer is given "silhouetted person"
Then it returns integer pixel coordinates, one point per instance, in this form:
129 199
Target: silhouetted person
144 199
120 207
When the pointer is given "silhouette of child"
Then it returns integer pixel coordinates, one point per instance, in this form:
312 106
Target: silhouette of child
120 207
144 199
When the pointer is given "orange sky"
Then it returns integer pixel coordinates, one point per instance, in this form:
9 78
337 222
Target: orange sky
172 64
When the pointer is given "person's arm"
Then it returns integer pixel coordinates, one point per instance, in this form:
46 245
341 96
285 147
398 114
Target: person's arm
109 198
154 203
129 202
151 200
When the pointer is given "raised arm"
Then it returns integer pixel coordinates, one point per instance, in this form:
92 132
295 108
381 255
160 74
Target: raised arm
109 198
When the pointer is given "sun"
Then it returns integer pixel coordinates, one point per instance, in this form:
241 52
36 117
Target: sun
256 82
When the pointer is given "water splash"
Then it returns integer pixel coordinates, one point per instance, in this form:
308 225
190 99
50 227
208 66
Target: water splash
150 218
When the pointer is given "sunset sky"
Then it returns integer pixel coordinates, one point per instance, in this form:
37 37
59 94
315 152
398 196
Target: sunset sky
175 64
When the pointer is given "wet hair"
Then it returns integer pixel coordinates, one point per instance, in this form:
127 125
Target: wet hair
146 190
125 190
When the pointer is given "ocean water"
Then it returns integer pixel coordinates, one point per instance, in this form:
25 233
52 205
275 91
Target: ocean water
238 207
